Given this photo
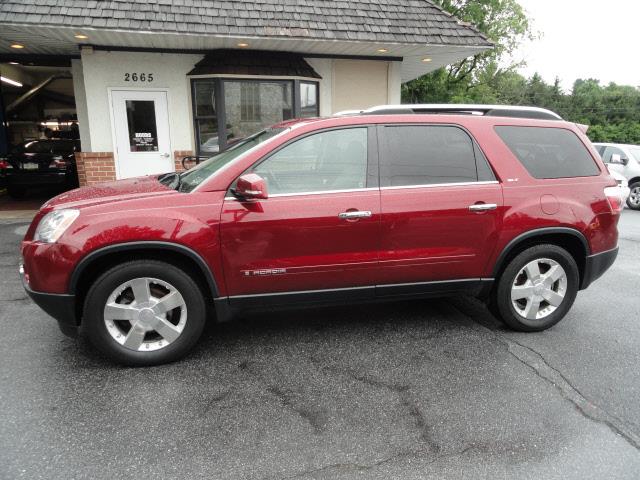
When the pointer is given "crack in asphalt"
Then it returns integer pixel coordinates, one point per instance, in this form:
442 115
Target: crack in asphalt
361 468
405 398
316 418
535 361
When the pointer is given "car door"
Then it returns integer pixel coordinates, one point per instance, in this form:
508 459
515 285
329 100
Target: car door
317 235
440 207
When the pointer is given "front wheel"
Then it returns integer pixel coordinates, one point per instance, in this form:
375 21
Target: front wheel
633 202
537 288
143 313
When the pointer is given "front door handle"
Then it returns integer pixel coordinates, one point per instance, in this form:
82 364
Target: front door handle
354 215
482 207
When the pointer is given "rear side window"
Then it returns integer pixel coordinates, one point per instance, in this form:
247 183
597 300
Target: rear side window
549 152
430 155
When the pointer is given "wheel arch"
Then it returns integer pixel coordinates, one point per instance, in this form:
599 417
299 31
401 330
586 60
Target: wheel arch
570 239
634 180
100 260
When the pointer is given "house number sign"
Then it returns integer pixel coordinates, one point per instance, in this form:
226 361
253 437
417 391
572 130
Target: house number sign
138 77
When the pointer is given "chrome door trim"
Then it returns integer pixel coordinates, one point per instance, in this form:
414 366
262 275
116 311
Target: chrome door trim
433 185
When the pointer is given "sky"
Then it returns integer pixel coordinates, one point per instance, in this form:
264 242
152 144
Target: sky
583 39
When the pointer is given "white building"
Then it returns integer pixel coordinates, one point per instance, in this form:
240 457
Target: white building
154 81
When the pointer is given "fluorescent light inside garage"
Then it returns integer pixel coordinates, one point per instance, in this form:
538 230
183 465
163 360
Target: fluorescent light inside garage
10 82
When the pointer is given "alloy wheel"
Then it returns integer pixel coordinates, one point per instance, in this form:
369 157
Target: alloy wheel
634 197
145 314
539 289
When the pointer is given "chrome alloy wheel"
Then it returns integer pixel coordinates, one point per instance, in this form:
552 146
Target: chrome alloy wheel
145 314
634 197
539 289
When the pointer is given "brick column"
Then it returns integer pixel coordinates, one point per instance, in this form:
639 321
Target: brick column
95 167
178 155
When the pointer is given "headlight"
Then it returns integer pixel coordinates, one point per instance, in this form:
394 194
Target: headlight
54 224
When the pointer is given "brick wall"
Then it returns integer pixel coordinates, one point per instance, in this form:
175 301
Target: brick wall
178 155
95 167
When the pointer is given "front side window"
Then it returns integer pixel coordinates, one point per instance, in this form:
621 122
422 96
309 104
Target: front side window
548 153
194 177
325 161
610 152
428 155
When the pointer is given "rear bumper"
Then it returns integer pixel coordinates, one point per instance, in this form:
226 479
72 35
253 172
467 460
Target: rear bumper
596 265
36 178
62 307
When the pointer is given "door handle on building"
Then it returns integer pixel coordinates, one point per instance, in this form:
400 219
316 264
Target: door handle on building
164 155
354 215
482 207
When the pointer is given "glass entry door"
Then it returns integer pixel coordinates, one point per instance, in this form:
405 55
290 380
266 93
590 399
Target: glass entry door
141 125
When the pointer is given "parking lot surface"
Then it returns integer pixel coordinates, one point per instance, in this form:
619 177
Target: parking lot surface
423 389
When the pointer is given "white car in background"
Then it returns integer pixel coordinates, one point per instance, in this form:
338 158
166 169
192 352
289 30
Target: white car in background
624 160
623 185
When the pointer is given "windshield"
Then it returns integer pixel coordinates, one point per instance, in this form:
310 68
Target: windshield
194 177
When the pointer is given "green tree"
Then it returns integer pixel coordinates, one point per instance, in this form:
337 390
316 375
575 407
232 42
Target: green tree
504 22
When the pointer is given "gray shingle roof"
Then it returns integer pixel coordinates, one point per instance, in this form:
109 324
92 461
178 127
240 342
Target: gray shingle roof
381 21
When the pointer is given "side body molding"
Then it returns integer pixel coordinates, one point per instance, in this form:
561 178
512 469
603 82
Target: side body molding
147 245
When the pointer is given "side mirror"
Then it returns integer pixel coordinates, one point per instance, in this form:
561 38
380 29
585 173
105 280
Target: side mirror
251 186
617 159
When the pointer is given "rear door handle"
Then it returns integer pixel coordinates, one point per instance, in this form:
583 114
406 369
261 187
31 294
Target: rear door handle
482 207
354 215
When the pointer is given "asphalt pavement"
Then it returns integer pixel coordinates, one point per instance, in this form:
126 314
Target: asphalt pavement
424 389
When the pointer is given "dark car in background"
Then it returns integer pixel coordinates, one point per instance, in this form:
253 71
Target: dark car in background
40 163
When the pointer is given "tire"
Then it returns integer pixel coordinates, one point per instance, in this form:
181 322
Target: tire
180 317
555 296
633 202
16 192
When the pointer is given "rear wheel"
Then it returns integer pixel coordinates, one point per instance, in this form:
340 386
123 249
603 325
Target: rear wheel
144 312
537 288
633 201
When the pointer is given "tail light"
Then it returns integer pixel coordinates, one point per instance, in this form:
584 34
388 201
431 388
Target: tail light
615 199
58 162
4 165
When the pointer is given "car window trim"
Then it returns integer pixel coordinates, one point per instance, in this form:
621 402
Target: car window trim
315 192
450 184
474 143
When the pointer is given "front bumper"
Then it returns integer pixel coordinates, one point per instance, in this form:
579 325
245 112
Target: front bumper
596 265
60 306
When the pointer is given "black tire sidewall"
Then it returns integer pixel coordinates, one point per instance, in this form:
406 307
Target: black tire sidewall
94 328
503 293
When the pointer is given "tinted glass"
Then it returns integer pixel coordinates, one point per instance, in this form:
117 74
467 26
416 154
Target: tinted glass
332 160
141 117
549 152
426 154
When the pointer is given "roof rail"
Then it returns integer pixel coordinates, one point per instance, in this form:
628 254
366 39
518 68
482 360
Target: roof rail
464 109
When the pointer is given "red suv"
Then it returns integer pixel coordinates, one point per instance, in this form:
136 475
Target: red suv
510 204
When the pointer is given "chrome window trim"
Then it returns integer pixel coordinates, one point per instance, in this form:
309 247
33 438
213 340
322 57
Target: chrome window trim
433 185
319 192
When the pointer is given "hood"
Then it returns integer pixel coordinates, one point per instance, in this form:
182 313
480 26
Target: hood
110 192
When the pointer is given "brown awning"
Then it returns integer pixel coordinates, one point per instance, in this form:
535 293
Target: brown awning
254 62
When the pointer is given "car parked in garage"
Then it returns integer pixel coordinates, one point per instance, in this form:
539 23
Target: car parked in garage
511 204
41 163
624 159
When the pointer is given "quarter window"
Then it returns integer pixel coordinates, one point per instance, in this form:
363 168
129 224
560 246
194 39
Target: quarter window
549 152
427 155
330 160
